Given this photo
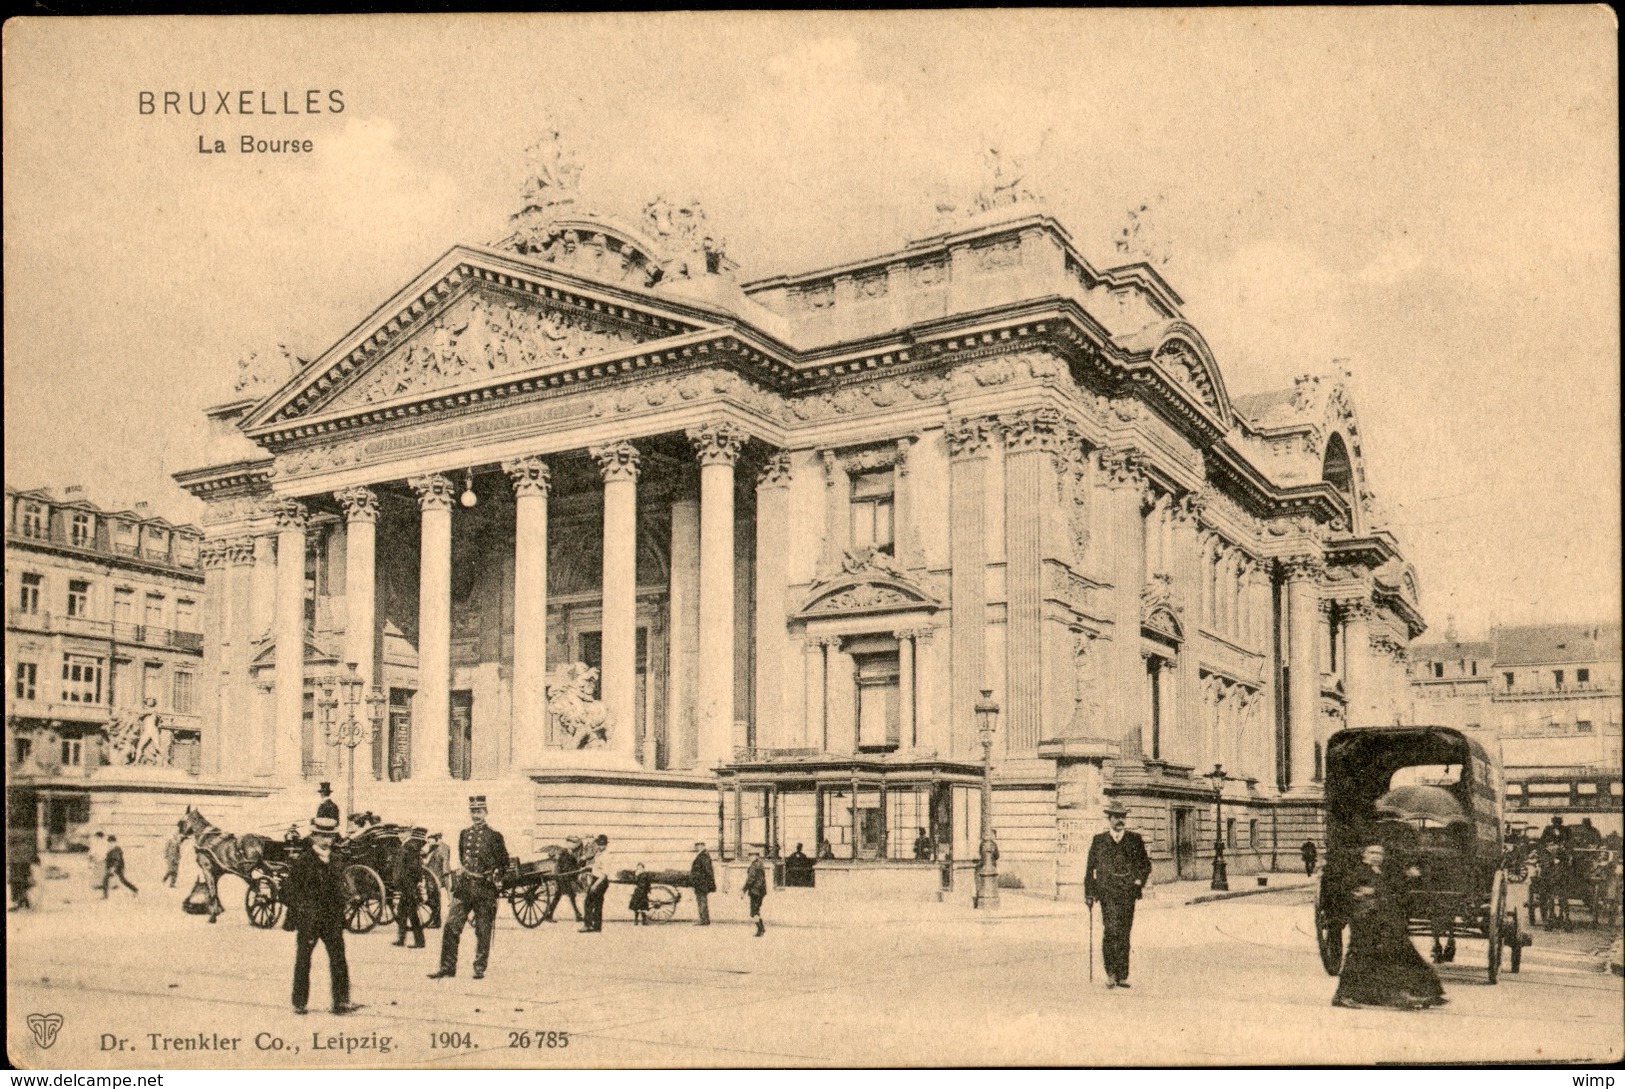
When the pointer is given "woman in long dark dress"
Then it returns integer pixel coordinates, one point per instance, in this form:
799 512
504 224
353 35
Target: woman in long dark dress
1382 967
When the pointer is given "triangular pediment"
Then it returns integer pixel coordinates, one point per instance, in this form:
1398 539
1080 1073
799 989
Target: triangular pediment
471 318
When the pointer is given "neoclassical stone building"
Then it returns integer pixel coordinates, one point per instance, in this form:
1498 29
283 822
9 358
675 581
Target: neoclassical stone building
796 525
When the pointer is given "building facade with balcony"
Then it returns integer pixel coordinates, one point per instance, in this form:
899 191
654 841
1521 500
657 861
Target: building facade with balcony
104 661
626 543
1550 695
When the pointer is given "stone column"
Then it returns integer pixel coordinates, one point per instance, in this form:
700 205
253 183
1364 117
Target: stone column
1122 471
717 448
1032 439
1186 567
532 480
1303 686
291 520
619 463
218 751
772 558
431 716
684 608
360 560
906 735
969 443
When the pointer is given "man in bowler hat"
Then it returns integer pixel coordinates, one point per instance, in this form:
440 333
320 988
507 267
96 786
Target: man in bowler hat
704 879
1115 875
484 856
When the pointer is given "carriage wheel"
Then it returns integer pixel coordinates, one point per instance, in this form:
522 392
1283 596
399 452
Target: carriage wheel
529 903
663 900
261 903
1328 933
1495 921
428 911
366 898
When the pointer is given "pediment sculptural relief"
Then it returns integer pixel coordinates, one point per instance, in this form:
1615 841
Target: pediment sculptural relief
478 337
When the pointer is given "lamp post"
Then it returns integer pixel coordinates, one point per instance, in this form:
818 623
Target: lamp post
1221 872
987 872
344 690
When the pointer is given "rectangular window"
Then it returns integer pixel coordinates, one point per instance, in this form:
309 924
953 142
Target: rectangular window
1583 676
124 606
154 616
1475 669
81 530
78 598
1583 726
1230 833
73 752
81 679
28 593
1507 677
185 614
27 679
156 543
33 520
1557 678
878 707
182 704
152 675
22 749
1438 669
872 497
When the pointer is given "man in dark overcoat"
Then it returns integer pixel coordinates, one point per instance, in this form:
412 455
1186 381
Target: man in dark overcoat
755 889
408 881
316 898
704 878
1115 875
483 855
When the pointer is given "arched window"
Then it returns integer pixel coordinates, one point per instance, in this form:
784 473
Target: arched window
1336 470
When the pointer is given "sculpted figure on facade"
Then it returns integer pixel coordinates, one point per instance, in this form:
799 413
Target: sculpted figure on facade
685 230
552 183
258 373
572 701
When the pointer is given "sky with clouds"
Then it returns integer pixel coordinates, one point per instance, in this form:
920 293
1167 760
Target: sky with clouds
1428 194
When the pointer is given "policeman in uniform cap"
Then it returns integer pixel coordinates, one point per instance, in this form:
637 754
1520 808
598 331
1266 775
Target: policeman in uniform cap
484 856
1115 875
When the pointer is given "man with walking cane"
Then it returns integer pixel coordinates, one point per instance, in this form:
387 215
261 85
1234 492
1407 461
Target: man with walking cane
1115 874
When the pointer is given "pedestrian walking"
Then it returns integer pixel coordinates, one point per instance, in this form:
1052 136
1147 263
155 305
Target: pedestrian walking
1115 875
567 869
602 871
408 880
22 852
114 867
316 898
1310 853
172 857
755 888
483 856
1382 967
704 879
639 904
97 859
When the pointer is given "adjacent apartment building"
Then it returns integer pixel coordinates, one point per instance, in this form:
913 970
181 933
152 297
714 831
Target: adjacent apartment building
104 661
1550 694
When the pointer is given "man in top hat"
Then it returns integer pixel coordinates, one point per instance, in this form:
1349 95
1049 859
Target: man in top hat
316 899
483 855
1115 875
328 809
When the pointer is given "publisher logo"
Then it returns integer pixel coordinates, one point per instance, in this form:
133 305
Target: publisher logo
45 1026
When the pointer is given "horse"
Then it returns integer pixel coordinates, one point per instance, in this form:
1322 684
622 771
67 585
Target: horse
570 700
220 853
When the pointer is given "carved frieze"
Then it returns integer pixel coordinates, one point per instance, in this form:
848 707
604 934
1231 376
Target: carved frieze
241 508
865 596
866 397
483 336
1179 360
1017 368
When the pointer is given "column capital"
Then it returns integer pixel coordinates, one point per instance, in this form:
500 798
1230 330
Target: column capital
775 473
1123 467
1189 508
360 503
828 641
290 514
716 443
1304 568
239 551
1356 608
211 555
919 635
1326 606
1042 430
435 491
530 475
904 446
617 461
971 436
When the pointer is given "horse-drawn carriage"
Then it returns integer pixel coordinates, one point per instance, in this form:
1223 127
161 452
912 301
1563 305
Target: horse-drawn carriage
1432 797
1567 878
533 889
367 861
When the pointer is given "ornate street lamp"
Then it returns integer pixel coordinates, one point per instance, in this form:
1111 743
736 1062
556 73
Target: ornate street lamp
344 690
987 872
1221 872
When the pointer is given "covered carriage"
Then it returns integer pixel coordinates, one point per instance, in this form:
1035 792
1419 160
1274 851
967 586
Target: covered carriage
367 861
1432 797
